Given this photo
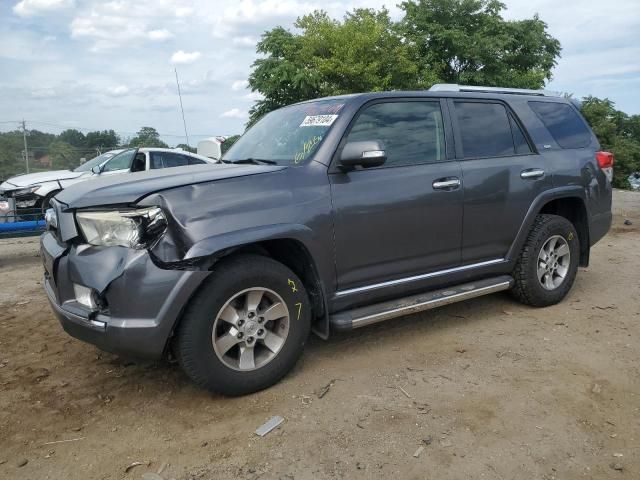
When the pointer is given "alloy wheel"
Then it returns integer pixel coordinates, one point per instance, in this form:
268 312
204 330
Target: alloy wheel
553 262
250 329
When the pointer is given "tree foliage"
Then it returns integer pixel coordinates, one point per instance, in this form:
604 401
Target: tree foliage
226 145
63 155
103 140
450 41
73 137
618 133
362 53
468 42
147 137
186 147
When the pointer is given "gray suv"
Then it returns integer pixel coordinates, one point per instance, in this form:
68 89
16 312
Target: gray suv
330 215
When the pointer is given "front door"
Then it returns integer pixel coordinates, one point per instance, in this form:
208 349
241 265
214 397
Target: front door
404 218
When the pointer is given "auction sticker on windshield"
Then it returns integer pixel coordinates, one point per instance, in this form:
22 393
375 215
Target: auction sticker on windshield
318 120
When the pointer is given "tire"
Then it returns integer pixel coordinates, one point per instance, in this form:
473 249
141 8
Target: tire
551 288
47 200
224 296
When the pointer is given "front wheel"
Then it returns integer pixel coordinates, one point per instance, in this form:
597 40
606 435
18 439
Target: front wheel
46 201
246 327
548 264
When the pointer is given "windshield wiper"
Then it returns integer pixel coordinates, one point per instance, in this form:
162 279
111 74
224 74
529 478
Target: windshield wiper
255 161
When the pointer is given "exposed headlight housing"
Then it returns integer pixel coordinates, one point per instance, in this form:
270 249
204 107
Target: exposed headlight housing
25 191
140 228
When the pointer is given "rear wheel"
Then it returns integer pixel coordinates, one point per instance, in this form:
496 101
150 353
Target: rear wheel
245 328
547 266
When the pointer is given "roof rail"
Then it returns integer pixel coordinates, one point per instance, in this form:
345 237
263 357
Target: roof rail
454 87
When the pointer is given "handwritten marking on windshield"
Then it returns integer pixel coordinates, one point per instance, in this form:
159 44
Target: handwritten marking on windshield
307 147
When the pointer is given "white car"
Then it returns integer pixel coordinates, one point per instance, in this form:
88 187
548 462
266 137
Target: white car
35 190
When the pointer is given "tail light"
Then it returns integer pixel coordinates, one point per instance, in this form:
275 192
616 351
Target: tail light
605 162
605 159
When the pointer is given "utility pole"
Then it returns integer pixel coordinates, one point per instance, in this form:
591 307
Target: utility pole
181 108
24 137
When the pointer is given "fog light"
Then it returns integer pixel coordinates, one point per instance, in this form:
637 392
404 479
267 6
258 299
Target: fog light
84 296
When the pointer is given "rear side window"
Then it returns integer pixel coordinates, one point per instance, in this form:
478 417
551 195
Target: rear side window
485 129
411 132
564 124
194 160
167 160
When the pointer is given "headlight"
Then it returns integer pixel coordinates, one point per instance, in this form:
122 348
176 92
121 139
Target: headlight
137 229
25 191
51 218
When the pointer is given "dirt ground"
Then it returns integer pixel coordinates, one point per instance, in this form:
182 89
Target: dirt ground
483 389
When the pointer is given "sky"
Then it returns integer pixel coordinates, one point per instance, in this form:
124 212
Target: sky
92 64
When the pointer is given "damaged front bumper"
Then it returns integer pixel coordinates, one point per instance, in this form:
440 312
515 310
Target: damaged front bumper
24 200
138 303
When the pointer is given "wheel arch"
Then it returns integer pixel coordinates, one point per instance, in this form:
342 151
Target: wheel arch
574 210
293 246
294 254
567 202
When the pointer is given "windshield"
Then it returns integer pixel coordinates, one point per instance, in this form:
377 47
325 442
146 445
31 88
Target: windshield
88 165
287 136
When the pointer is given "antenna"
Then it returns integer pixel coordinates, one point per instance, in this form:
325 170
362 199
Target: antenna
182 108
24 137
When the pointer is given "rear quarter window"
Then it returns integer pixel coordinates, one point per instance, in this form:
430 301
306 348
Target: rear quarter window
564 124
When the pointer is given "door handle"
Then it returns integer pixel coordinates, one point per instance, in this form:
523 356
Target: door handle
446 183
532 173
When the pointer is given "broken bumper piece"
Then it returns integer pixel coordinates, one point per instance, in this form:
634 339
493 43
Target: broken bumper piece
114 297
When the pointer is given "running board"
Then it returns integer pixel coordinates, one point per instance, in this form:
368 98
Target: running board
379 312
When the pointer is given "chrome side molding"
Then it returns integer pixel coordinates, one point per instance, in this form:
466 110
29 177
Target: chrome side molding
400 281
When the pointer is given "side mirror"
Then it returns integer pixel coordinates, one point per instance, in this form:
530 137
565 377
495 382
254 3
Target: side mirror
367 154
97 169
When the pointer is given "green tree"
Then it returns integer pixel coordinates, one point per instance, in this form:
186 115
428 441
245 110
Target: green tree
456 41
63 155
103 140
147 137
11 156
73 137
329 57
186 147
226 145
618 133
468 42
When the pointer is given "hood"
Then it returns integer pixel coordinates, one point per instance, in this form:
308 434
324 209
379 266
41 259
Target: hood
128 189
21 181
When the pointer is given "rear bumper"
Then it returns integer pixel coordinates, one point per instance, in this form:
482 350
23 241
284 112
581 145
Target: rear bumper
142 302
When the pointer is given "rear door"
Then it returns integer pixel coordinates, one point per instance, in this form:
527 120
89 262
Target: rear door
502 175
398 220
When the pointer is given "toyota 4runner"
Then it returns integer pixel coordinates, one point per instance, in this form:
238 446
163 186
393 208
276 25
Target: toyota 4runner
330 215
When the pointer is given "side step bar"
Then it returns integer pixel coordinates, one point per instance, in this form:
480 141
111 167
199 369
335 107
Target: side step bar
363 316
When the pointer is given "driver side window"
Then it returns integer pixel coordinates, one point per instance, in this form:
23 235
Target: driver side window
412 132
122 161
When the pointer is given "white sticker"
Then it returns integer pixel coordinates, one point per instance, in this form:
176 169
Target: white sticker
318 120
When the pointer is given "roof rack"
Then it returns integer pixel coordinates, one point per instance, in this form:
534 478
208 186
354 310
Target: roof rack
454 87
